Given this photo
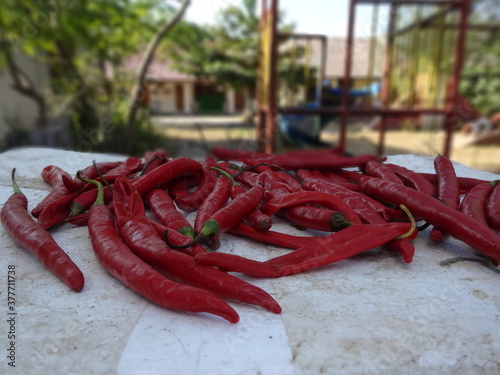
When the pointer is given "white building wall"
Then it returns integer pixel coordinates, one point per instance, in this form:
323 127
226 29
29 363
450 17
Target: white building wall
13 105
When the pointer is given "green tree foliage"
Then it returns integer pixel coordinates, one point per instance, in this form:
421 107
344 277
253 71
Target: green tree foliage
76 40
228 51
481 73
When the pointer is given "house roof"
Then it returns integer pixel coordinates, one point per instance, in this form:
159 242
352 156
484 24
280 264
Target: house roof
335 56
158 70
162 69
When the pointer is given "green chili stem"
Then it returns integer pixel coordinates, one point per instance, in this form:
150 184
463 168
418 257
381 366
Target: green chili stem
412 220
15 186
100 190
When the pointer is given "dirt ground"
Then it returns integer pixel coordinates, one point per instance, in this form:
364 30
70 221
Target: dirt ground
195 141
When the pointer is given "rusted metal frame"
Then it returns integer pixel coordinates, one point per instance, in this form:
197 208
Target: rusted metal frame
425 22
451 118
270 131
344 100
410 2
386 77
361 111
322 68
260 126
475 27
301 36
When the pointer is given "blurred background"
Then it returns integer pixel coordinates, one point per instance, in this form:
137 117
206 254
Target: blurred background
372 76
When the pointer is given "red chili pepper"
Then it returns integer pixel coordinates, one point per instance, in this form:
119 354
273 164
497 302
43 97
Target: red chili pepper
166 212
123 264
322 251
350 175
375 169
56 212
88 193
350 197
191 202
367 214
305 197
180 186
177 239
316 162
90 173
493 207
230 215
457 224
225 153
30 235
164 173
329 177
316 218
270 237
464 183
413 179
54 176
154 159
136 231
341 245
447 191
213 203
474 202
83 201
256 219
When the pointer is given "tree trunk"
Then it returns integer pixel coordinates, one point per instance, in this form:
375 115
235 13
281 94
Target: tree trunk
22 82
141 73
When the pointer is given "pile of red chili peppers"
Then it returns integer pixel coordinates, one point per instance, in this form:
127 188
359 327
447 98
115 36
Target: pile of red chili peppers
359 203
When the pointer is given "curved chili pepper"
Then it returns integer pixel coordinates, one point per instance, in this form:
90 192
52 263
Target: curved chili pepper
328 177
375 169
338 246
135 230
30 235
322 251
464 183
90 173
364 211
123 264
350 175
329 162
164 173
304 197
56 212
316 218
225 153
270 237
474 202
492 208
177 238
447 191
154 159
229 215
351 197
191 202
457 224
256 219
166 212
180 186
413 179
213 203
54 176
82 202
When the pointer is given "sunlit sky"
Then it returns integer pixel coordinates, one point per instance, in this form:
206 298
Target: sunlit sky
327 17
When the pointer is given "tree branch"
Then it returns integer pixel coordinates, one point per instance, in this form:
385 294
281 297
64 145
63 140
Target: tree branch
142 70
21 81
